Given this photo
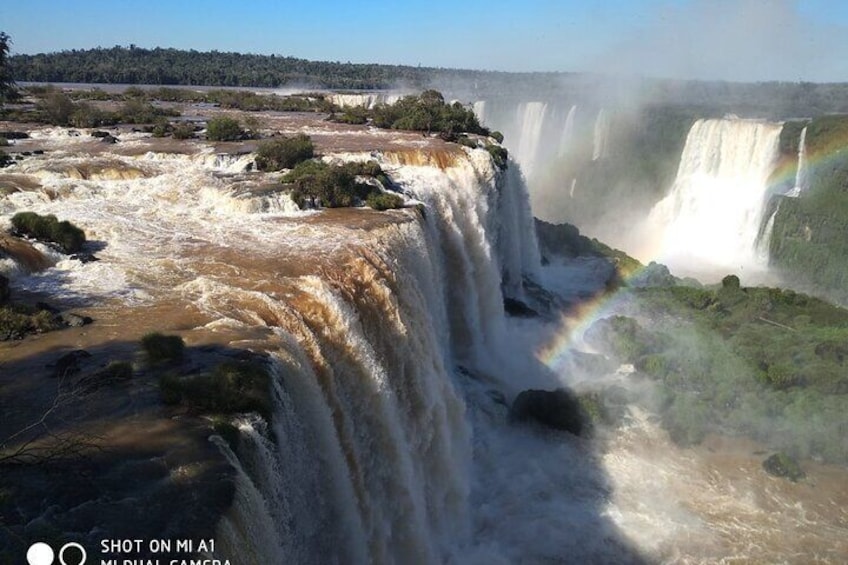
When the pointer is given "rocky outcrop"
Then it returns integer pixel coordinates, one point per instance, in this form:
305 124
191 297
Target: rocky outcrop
559 409
784 466
4 290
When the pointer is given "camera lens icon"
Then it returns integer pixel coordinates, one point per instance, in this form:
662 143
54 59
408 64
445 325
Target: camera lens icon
42 554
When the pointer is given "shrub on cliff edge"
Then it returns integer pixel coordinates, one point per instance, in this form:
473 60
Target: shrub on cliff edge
48 228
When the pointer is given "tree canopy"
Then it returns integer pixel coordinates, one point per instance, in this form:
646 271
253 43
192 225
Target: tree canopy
7 83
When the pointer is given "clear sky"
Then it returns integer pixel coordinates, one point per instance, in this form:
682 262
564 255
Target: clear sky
709 39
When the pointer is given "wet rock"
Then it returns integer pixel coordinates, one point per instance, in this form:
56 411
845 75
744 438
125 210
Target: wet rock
518 308
47 307
5 292
15 135
74 320
69 363
784 466
84 257
559 409
100 133
498 397
109 139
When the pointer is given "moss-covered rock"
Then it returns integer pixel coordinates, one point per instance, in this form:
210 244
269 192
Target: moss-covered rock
162 349
782 465
48 228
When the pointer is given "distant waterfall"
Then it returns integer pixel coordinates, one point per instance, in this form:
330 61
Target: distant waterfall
479 108
801 181
712 216
567 138
531 116
601 138
539 133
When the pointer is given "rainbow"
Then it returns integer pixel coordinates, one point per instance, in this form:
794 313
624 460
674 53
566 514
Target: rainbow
575 322
820 154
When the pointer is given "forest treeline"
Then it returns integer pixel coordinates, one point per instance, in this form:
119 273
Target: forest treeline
168 66
134 65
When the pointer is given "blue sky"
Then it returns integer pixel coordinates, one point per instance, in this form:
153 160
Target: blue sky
709 39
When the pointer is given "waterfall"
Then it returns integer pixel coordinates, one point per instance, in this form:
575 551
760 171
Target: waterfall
370 460
363 100
364 317
713 213
567 138
531 117
600 148
479 108
801 180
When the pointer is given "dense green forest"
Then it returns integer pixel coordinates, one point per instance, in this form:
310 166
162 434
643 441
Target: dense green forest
133 65
759 362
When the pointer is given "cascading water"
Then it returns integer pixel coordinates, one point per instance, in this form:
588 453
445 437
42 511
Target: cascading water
567 138
365 357
479 108
800 186
380 449
801 180
600 147
712 216
531 116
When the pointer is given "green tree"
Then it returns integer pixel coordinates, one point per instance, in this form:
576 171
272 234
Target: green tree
284 153
222 128
7 84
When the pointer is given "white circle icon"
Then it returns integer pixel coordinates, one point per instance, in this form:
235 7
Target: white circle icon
40 553
74 545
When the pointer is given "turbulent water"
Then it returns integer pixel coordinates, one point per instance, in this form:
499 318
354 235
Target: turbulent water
392 366
712 216
536 132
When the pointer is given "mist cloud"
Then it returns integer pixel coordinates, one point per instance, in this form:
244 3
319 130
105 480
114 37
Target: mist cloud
740 40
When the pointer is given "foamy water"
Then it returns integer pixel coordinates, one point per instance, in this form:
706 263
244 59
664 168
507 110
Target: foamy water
386 451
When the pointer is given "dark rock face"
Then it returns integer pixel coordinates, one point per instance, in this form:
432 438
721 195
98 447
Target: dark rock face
75 320
69 363
4 290
109 139
100 133
559 409
518 308
782 465
84 257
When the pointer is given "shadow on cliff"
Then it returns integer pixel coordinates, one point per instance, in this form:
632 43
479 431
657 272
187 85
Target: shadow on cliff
539 494
103 458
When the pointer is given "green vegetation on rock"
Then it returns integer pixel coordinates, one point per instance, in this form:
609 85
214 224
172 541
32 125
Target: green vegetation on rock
49 229
767 363
782 465
809 241
232 387
316 184
161 349
429 113
284 153
224 128
17 321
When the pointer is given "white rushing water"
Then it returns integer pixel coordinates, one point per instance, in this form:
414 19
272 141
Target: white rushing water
531 116
536 133
600 145
802 182
392 367
711 218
